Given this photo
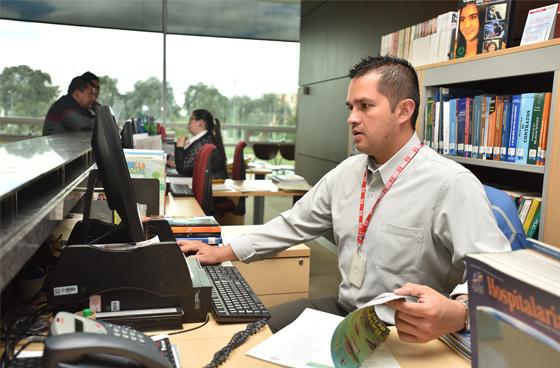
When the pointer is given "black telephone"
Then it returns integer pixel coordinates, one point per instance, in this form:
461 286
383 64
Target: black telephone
76 341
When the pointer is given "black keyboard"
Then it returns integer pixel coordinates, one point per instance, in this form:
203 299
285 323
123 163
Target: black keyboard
180 190
233 300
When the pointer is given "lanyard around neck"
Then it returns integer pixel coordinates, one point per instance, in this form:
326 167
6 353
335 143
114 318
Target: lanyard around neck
363 226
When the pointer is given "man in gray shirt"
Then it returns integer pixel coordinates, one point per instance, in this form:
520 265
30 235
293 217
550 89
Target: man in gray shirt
403 216
70 112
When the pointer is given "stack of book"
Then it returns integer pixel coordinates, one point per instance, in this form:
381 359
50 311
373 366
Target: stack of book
459 342
202 228
290 181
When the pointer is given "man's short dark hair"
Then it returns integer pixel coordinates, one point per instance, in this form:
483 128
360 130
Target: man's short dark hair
78 83
398 81
90 77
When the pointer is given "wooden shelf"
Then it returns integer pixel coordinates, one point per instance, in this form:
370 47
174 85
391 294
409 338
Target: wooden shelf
497 164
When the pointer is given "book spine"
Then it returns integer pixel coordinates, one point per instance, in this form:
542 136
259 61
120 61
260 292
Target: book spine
512 144
506 127
523 132
453 127
195 229
477 105
532 231
491 123
461 105
208 240
541 154
524 209
468 126
535 203
536 122
498 127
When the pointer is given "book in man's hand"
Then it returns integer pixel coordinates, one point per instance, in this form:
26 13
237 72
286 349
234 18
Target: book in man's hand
514 302
319 339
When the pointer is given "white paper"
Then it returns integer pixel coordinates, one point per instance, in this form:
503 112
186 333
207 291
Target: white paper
304 342
384 312
179 180
539 24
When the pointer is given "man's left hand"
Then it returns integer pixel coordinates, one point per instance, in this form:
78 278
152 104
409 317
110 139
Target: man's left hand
433 316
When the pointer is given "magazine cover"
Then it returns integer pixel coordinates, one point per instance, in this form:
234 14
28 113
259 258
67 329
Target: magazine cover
482 27
514 323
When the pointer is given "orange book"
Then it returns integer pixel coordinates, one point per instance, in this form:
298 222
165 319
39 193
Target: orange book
195 229
541 152
490 126
498 127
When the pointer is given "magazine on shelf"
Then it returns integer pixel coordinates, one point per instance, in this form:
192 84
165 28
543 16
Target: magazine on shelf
482 27
540 24
514 307
319 339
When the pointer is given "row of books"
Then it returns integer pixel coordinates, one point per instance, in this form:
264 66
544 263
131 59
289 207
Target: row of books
424 43
511 128
529 210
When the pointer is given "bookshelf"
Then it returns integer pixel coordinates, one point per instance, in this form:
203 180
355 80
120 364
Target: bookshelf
530 68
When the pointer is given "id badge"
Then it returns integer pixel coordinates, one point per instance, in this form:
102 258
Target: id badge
357 269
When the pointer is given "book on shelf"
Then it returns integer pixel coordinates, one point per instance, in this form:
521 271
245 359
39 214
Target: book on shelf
423 43
524 127
514 298
540 24
541 150
483 26
319 339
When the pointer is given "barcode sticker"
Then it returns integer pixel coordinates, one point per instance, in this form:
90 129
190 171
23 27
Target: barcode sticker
65 290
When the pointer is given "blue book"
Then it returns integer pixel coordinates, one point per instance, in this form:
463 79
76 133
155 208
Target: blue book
207 240
514 123
506 126
524 128
453 126
461 116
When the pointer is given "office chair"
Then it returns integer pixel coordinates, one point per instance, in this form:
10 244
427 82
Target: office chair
202 178
506 215
288 151
266 151
224 205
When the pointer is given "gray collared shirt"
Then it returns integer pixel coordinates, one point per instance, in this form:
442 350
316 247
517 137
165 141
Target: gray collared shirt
435 213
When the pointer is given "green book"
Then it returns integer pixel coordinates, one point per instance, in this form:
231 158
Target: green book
536 122
532 232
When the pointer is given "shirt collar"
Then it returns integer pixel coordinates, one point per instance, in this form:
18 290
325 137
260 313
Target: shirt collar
196 137
389 167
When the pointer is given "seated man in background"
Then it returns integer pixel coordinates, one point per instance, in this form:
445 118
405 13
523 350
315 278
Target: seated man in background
70 112
403 216
94 81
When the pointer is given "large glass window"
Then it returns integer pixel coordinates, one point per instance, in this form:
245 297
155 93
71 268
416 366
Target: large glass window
249 85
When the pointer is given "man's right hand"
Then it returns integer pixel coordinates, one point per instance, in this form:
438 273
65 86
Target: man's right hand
207 254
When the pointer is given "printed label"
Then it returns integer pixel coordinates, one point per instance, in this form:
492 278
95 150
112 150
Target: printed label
65 290
115 305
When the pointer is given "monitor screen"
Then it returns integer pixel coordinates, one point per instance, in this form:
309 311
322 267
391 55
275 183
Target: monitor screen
126 135
114 174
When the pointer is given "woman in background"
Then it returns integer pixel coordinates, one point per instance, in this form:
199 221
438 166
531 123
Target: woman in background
469 39
204 129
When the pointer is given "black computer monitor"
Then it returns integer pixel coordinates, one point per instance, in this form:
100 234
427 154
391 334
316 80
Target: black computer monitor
114 174
126 135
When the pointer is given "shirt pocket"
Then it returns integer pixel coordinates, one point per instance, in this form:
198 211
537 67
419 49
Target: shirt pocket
398 249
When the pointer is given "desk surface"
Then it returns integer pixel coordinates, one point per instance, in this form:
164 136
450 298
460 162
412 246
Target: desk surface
196 348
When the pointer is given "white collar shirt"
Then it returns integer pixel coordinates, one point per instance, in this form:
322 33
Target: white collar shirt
195 138
434 214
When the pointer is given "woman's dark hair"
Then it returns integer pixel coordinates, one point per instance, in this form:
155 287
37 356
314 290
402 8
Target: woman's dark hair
213 127
461 46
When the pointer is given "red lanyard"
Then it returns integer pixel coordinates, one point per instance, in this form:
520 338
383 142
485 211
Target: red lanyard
363 226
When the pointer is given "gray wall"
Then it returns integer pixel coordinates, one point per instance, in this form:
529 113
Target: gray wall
334 36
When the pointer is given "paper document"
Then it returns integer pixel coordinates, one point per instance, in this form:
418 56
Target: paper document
128 246
306 342
179 180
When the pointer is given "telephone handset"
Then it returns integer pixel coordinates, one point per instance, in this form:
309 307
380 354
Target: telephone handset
76 341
